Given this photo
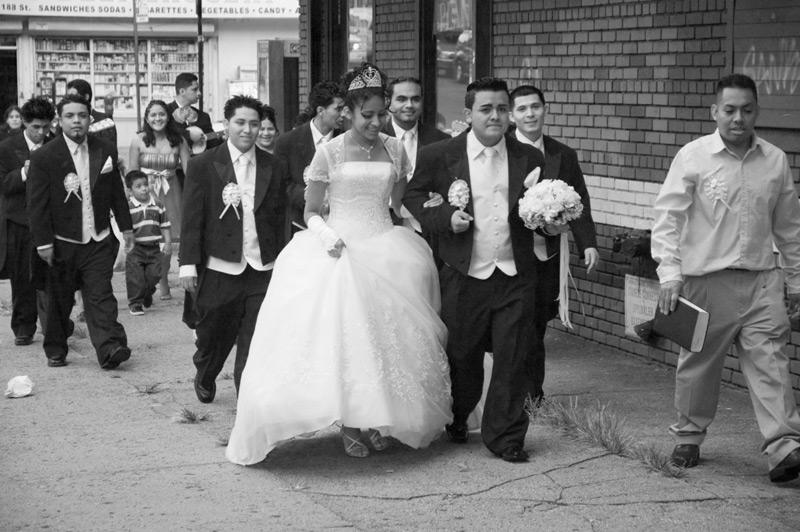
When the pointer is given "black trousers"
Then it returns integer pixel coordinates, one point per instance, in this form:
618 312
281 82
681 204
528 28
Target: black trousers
227 309
23 293
142 272
546 310
493 315
88 268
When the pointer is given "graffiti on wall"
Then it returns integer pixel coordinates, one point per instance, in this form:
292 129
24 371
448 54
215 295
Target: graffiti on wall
774 71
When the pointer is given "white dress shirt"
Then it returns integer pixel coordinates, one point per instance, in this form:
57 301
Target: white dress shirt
491 247
717 211
318 137
410 140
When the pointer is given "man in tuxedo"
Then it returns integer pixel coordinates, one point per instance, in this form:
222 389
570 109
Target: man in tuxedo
233 229
73 185
488 277
295 149
15 237
528 113
101 125
405 108
193 122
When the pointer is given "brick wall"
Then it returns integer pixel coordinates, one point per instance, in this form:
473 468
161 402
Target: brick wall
396 37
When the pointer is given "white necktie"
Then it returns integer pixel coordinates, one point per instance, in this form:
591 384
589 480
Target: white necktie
82 161
489 158
409 145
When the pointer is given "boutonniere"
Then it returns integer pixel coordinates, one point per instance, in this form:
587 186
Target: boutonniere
533 178
458 195
717 190
72 184
231 195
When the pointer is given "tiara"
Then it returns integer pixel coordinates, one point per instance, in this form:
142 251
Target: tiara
369 77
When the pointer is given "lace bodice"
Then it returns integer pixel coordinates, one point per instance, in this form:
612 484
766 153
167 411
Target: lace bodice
358 191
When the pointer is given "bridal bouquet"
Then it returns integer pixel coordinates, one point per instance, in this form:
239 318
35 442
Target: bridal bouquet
550 201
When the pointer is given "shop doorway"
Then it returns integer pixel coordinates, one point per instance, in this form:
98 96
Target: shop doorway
8 79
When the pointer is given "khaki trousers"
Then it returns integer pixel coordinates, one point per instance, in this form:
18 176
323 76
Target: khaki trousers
745 308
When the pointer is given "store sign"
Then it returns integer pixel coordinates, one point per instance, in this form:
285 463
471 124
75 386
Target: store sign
157 9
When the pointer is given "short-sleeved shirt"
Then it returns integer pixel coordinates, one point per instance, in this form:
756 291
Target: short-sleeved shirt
148 220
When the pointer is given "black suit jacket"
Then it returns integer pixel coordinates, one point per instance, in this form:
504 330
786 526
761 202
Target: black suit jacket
51 212
13 205
204 233
294 151
438 165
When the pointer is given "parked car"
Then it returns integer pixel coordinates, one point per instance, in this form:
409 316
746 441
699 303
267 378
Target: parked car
446 43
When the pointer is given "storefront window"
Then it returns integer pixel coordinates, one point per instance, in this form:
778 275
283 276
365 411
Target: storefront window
359 44
455 61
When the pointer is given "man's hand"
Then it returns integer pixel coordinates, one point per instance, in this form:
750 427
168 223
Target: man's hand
668 297
794 304
553 230
127 236
591 258
189 284
435 200
46 255
460 221
336 252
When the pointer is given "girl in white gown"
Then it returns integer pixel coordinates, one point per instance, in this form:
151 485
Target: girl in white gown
349 331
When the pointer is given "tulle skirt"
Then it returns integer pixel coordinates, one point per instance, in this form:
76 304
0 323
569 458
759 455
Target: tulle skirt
355 340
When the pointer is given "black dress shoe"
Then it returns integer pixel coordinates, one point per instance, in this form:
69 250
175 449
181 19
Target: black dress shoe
514 454
788 469
205 395
117 357
56 362
23 340
457 432
686 455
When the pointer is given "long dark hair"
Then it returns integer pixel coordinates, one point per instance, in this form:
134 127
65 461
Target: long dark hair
4 126
172 131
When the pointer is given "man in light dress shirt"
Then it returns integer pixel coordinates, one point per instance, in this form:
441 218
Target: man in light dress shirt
233 229
727 198
73 185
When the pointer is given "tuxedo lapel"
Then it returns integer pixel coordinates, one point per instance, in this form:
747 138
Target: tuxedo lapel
552 157
22 155
95 163
223 165
516 175
263 178
305 146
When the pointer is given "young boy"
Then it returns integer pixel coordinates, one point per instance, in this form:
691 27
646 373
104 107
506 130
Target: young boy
150 225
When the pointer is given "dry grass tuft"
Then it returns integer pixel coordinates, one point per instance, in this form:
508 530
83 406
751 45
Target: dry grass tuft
190 416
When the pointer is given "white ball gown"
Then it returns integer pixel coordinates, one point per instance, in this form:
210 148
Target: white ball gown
355 340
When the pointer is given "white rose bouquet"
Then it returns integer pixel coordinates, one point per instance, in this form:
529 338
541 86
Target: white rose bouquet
550 201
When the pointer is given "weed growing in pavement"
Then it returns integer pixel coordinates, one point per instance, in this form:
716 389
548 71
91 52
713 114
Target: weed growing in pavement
226 376
147 389
599 425
190 416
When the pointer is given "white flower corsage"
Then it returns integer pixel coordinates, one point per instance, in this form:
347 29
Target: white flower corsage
551 201
231 195
458 195
717 190
72 184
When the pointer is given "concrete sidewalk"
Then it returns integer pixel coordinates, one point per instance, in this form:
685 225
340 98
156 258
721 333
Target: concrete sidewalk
89 451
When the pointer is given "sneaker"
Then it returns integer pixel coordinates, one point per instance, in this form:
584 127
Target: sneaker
136 310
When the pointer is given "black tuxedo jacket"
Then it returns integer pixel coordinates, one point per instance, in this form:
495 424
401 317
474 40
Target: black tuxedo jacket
425 134
204 233
561 162
438 165
13 204
51 211
294 151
